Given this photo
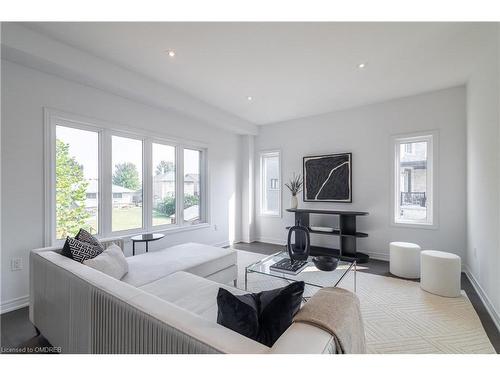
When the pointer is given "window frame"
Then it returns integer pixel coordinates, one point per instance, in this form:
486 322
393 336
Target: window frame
203 185
262 211
105 130
432 139
163 142
108 135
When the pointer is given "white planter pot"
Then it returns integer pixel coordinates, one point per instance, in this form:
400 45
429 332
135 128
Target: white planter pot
294 202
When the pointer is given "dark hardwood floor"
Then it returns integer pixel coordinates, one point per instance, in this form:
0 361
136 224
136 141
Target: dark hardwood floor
17 334
16 331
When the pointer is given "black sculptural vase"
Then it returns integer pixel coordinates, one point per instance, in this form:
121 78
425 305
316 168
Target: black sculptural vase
301 248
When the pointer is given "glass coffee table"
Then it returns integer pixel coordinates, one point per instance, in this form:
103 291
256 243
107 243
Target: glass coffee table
310 275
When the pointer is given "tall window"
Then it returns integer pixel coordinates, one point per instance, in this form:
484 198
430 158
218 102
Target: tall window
191 205
127 183
106 182
270 178
77 181
163 184
413 200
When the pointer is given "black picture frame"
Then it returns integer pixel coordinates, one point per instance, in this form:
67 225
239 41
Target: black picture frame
341 189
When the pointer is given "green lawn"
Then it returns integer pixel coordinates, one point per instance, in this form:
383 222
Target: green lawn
126 218
130 218
159 219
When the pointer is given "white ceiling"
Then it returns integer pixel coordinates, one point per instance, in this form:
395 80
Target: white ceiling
290 69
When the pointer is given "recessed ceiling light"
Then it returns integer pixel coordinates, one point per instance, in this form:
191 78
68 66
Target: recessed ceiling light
361 65
249 98
171 53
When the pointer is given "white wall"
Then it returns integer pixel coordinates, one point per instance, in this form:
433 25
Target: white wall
24 94
246 184
483 188
29 48
366 132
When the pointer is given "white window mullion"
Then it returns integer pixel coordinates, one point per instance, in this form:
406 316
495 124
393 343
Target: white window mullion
50 179
204 209
100 204
397 179
106 179
147 185
179 191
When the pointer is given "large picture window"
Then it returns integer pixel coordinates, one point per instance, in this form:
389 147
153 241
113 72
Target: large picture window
164 182
270 181
109 182
77 181
126 187
191 204
414 199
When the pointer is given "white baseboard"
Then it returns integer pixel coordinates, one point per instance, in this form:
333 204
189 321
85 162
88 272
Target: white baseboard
378 256
273 241
484 297
14 304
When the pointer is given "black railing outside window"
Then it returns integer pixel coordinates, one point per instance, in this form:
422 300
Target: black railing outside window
413 198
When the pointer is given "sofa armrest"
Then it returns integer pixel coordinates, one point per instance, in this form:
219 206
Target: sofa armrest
105 242
301 338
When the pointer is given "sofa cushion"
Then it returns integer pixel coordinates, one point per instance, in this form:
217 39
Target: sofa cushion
111 261
199 259
239 313
190 292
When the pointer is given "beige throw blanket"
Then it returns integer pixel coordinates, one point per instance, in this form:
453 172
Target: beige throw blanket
337 311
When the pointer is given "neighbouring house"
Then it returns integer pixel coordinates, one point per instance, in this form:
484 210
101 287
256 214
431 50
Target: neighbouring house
122 197
191 214
413 196
164 185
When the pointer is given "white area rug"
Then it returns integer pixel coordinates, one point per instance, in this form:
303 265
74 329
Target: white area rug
399 317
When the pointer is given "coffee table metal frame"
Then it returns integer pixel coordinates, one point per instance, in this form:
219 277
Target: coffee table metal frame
351 265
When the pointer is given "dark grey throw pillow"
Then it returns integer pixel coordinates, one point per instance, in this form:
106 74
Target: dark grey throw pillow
263 316
81 251
85 236
66 251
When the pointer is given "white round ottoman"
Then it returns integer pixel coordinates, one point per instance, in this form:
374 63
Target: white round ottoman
404 259
440 273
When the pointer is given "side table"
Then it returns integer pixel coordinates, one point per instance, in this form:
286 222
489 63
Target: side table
147 238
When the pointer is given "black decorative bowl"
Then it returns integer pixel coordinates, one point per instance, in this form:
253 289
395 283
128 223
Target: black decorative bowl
325 263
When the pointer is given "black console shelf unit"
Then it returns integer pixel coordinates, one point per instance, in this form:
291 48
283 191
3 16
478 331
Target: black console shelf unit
347 233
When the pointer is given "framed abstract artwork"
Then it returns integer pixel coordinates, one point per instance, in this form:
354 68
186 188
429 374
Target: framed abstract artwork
328 178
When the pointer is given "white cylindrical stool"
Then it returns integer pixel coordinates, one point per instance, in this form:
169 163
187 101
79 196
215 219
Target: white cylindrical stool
404 259
440 273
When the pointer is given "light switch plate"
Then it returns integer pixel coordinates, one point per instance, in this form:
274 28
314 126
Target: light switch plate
16 264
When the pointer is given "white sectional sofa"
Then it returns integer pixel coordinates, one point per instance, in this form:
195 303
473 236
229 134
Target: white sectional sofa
165 304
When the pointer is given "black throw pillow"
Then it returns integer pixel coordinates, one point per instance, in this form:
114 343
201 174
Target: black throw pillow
238 313
85 236
66 251
263 316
